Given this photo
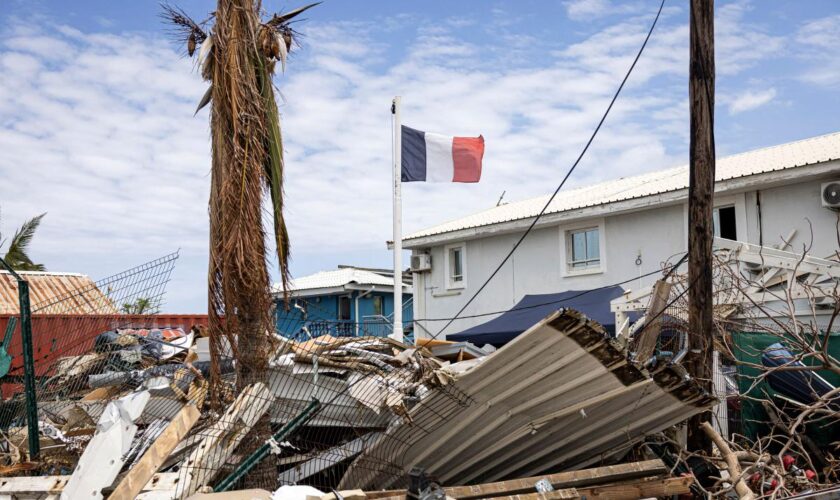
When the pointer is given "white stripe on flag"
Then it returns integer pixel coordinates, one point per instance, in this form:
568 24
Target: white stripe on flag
440 166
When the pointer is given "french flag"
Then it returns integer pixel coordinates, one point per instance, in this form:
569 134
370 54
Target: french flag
429 157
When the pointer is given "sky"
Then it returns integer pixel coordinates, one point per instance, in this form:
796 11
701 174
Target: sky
97 124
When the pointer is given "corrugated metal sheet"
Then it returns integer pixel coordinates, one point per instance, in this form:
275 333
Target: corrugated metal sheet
55 293
560 396
795 154
337 278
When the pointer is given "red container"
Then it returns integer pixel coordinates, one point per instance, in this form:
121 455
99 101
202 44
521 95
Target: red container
58 335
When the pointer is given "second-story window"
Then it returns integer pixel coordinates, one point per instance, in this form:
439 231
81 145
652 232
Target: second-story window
584 249
724 223
456 266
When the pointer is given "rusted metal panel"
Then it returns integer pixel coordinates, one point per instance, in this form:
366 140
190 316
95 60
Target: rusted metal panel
59 335
560 396
55 293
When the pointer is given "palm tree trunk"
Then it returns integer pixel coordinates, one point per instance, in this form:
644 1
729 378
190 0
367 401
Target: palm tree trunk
239 285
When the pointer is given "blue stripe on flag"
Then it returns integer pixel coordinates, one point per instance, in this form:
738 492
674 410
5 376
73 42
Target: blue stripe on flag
413 155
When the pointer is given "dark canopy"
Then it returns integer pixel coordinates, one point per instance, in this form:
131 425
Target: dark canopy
595 304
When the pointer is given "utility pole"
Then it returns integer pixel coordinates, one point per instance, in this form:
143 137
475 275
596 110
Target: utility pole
701 187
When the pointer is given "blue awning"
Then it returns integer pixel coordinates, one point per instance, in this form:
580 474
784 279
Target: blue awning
595 304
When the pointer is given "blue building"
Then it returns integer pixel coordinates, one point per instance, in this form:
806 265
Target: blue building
346 302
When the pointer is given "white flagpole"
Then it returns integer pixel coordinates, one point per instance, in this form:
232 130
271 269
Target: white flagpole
398 321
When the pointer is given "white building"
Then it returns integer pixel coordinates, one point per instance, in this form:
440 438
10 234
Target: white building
617 230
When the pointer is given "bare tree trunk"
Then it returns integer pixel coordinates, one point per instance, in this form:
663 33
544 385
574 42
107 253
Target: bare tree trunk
700 205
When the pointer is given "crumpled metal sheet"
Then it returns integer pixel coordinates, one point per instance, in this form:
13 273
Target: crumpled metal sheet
106 453
560 396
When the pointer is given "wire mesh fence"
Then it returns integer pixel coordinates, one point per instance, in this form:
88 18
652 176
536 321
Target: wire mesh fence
102 356
338 403
67 321
327 399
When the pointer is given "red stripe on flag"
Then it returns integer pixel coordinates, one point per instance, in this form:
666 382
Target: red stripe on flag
467 153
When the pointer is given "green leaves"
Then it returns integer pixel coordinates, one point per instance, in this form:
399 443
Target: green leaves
17 253
274 171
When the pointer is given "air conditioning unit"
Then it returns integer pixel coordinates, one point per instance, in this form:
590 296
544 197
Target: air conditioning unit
421 262
830 194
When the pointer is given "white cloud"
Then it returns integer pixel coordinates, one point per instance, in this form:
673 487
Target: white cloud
588 10
98 130
819 40
824 32
750 100
580 10
739 45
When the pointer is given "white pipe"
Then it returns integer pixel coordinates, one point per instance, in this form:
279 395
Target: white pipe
398 327
359 296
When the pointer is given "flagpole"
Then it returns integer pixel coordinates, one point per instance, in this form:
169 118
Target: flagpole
397 198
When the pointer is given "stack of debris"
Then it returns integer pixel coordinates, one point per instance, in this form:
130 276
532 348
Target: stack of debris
562 395
356 413
135 410
364 381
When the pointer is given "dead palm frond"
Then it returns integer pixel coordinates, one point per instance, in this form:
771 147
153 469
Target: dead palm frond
237 56
17 254
182 27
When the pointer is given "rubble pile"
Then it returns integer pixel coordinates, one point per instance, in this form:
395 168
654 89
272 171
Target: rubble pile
143 391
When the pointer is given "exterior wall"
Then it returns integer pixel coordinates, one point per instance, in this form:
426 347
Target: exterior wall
324 309
651 236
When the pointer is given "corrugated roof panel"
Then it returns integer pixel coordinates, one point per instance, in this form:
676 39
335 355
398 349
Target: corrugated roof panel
795 154
337 278
55 293
558 397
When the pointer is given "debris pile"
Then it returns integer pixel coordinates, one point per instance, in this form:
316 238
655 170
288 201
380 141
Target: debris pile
370 415
562 395
135 409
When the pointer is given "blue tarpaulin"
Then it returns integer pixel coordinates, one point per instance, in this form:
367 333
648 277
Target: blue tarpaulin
532 308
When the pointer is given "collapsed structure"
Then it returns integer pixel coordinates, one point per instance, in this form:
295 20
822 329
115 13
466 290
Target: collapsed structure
365 412
391 407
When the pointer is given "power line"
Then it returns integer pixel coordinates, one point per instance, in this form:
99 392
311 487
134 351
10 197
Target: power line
565 178
559 301
667 273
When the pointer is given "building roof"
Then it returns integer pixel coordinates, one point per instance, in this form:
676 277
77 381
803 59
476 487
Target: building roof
55 293
782 157
339 278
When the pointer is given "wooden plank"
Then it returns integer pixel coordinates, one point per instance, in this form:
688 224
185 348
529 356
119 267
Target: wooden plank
639 489
561 494
572 479
222 438
631 490
33 484
345 494
133 482
646 339
54 485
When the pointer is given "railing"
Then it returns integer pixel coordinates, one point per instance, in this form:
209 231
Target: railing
370 326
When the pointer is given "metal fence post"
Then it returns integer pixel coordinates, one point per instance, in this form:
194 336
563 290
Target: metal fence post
28 364
29 371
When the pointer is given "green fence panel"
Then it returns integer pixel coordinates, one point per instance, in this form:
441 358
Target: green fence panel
748 347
